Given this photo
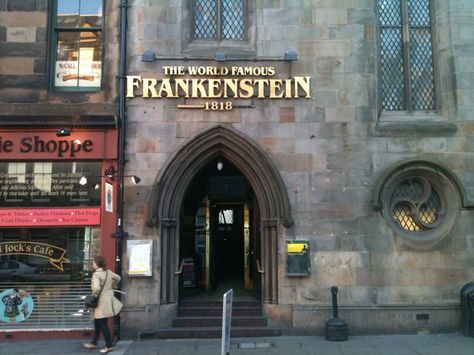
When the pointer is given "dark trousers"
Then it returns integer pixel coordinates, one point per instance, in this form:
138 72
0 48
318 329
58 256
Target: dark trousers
102 325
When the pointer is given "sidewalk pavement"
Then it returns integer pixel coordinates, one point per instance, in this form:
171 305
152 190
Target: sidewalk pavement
425 344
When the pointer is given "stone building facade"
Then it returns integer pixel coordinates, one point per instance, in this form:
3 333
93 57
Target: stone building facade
382 195
334 133
58 108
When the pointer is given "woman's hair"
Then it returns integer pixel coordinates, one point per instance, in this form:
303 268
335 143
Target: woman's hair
100 261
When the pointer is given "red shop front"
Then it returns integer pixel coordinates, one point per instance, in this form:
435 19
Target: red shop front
57 211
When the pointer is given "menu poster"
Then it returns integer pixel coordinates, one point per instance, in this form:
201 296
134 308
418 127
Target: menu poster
139 257
75 73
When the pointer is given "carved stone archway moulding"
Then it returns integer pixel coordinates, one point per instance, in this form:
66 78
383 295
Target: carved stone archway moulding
263 177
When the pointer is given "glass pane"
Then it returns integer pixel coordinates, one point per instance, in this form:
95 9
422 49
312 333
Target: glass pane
421 55
226 217
53 266
233 20
391 55
390 13
205 19
68 13
416 206
391 69
52 184
421 69
90 56
67 62
91 13
419 13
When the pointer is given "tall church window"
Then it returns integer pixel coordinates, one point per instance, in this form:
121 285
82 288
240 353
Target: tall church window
406 56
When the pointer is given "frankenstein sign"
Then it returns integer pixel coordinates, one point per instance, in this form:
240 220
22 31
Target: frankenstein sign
218 83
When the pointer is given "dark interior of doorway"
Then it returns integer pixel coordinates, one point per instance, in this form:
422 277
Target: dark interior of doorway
218 237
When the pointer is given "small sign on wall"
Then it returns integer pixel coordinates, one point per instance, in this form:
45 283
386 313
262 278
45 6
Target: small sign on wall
297 258
109 197
139 257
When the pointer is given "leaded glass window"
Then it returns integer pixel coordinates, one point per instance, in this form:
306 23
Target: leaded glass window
406 55
415 205
218 20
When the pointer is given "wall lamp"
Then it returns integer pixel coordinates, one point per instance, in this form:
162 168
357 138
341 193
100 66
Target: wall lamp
291 56
148 56
220 57
110 173
63 132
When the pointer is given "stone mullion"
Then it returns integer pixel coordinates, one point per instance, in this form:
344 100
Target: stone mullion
168 260
270 284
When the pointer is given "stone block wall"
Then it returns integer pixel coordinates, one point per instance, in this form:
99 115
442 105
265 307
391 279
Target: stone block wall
25 63
330 150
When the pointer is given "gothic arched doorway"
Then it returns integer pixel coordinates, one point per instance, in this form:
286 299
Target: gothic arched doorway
264 180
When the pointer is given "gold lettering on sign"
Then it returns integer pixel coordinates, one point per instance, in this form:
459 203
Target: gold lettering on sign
219 83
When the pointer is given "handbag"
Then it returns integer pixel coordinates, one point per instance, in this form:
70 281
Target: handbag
91 301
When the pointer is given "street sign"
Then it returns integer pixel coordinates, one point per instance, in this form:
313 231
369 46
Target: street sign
226 320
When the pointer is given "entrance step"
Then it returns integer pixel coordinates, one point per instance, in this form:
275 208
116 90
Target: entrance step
216 332
217 311
251 321
203 319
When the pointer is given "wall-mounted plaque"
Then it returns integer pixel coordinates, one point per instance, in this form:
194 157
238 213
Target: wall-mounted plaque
139 257
297 258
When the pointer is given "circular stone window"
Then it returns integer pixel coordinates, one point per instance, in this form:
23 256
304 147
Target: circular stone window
420 204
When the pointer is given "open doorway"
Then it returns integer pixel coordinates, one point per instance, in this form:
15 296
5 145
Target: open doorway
219 236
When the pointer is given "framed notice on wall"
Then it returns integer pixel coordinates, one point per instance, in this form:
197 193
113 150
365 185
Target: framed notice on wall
297 258
109 197
139 257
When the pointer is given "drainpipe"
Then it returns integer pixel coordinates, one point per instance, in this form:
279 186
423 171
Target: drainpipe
120 234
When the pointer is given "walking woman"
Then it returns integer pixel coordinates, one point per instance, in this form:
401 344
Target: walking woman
108 305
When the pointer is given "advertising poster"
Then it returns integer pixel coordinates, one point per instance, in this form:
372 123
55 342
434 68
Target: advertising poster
109 197
78 73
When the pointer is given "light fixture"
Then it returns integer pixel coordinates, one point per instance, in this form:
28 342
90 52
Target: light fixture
110 172
135 179
148 56
291 56
220 57
63 132
77 141
83 181
97 186
220 165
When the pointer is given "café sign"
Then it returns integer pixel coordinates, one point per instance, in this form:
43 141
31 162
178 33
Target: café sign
218 85
54 254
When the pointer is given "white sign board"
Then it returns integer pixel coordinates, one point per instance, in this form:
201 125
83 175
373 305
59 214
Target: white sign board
226 320
75 73
139 257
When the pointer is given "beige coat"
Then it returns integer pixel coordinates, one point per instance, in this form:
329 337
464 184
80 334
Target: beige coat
108 305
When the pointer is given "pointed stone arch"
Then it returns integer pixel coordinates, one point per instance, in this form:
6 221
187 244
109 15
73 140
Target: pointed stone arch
263 177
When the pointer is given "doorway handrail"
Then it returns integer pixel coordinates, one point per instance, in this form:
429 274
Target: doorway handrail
259 268
180 270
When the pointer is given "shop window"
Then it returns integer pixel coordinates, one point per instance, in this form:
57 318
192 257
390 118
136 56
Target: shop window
420 204
53 266
406 56
77 45
42 184
219 20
